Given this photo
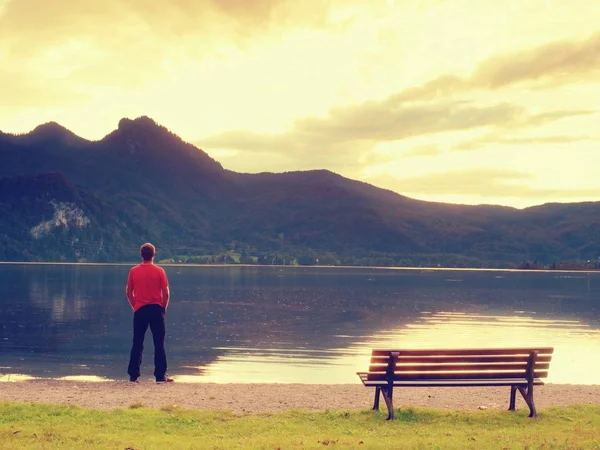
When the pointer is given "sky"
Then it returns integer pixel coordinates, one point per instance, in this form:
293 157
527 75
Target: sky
461 101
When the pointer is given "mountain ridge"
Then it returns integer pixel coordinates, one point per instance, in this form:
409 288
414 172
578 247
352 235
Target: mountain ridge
172 192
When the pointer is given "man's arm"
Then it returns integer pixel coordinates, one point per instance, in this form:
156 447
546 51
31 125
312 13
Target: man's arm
129 290
166 293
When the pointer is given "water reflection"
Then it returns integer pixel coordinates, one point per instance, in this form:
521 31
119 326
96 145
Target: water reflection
14 377
301 325
89 378
574 343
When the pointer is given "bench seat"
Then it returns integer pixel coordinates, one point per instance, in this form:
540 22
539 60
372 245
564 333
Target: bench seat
452 383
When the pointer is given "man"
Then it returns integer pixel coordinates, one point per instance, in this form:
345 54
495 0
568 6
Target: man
148 294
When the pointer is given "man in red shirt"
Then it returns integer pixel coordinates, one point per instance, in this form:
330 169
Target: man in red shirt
148 294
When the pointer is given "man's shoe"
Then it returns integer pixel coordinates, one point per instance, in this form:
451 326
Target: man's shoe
164 380
133 379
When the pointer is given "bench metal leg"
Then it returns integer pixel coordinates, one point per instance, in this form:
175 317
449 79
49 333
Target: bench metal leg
388 393
376 401
513 395
527 394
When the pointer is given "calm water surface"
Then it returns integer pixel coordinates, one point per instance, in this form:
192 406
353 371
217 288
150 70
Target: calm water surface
300 325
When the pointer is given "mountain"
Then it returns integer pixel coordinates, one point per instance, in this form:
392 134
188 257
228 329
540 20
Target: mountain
141 182
45 217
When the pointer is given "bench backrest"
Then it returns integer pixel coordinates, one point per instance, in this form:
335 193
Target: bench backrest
449 364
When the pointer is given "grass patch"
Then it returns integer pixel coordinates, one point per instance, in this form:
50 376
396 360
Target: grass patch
33 426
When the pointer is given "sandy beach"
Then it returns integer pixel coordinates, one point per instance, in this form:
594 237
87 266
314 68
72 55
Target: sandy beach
254 398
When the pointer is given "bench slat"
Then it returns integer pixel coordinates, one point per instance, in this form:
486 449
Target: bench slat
452 375
363 377
467 359
461 367
463 351
456 383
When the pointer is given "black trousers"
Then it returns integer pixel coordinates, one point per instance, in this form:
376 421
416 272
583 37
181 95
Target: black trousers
153 315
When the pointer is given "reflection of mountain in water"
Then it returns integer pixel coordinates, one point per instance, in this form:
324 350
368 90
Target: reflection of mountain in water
58 317
68 320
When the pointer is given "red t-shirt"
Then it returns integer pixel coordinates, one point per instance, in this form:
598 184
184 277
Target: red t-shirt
146 282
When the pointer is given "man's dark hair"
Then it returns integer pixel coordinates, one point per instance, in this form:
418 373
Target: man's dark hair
147 251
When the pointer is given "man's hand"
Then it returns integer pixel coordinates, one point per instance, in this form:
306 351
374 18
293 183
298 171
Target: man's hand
166 295
129 295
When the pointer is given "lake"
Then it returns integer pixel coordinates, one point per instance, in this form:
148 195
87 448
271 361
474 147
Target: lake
290 324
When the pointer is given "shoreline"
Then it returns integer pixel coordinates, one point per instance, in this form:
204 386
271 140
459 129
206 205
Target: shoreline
314 266
266 397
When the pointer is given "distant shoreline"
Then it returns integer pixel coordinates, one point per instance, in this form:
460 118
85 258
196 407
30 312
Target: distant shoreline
282 266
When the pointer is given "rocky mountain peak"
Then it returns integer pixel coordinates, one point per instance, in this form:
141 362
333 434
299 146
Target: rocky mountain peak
53 132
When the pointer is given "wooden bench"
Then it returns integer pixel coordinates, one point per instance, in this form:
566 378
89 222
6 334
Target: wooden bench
519 368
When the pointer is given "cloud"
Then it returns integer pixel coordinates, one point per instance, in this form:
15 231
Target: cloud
560 139
392 120
484 182
434 107
70 46
561 62
340 139
345 134
25 22
28 91
440 87
368 123
551 116
296 147
423 150
68 50
558 62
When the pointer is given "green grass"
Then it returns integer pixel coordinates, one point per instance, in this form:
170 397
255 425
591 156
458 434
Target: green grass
35 426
